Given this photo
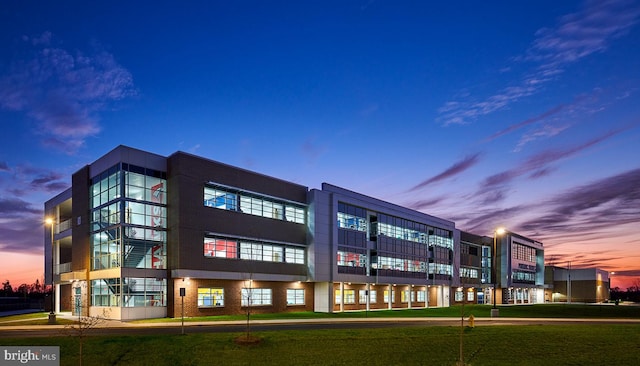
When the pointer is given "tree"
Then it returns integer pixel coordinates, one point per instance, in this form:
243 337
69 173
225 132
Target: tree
83 325
7 290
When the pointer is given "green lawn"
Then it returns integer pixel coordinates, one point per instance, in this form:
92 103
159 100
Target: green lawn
519 311
488 345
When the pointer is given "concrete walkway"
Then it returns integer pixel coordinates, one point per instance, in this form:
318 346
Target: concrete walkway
109 323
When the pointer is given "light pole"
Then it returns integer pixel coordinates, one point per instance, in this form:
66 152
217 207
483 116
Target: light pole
52 314
495 312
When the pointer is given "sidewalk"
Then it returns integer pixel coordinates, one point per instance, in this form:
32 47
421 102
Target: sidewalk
110 323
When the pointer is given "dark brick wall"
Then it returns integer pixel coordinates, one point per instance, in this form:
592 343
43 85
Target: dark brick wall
232 297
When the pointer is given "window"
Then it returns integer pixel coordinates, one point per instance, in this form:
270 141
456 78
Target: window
220 248
105 292
470 296
142 292
210 297
253 204
386 296
459 296
349 296
219 198
295 296
362 296
256 297
404 296
261 252
468 272
421 296
294 255
350 259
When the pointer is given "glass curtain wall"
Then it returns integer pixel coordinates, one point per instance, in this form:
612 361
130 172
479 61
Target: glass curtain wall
128 229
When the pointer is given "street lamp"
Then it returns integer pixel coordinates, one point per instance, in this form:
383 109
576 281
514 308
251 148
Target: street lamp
52 314
494 273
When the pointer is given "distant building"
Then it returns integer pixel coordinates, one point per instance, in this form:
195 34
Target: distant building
519 263
520 268
139 233
590 285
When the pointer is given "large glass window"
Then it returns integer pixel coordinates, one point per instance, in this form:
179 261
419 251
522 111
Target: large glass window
220 198
386 296
350 259
261 252
400 264
349 296
210 297
294 255
253 204
404 296
220 248
468 272
523 253
230 248
256 296
105 292
141 292
441 268
362 296
295 296
128 222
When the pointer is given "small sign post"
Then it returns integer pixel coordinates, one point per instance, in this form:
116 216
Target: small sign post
183 292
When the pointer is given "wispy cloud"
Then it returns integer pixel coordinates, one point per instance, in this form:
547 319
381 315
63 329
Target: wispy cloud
582 33
541 117
15 207
457 168
26 179
424 204
593 207
538 163
63 91
575 36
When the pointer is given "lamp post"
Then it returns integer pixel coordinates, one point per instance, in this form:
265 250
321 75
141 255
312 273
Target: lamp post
52 314
495 312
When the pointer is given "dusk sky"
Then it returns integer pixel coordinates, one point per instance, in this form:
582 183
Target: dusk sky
521 114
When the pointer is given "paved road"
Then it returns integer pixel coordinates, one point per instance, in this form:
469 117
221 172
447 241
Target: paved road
124 328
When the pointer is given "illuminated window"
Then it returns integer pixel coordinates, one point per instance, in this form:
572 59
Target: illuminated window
220 248
210 297
295 296
253 204
256 297
404 296
386 296
294 255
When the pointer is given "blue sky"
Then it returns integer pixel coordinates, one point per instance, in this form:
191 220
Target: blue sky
517 114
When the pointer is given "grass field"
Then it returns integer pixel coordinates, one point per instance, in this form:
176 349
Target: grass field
519 311
488 345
